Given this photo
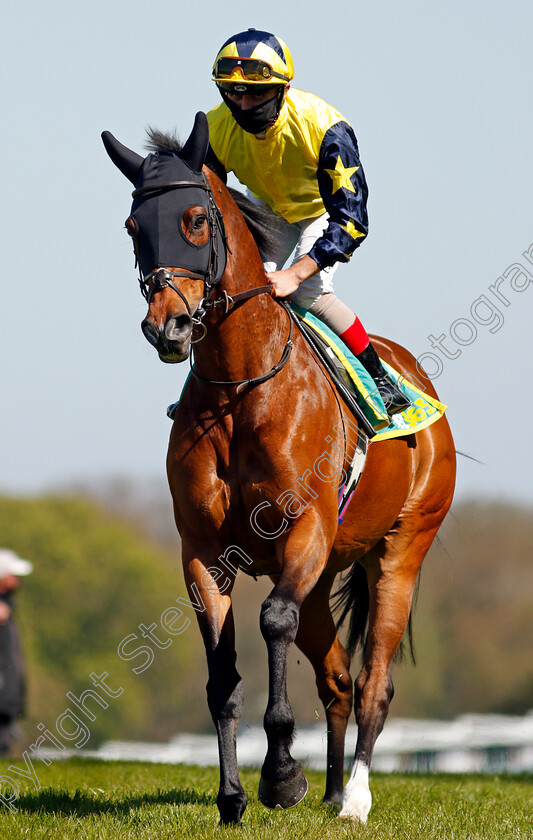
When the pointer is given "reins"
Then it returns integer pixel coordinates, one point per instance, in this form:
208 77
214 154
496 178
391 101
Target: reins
241 384
232 301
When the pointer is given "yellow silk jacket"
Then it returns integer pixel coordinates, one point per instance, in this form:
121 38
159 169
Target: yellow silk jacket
306 164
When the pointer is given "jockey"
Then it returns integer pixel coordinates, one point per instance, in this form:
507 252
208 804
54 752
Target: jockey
298 155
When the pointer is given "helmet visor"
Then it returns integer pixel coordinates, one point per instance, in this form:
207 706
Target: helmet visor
250 69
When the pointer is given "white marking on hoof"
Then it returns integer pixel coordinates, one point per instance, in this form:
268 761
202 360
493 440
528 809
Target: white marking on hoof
356 797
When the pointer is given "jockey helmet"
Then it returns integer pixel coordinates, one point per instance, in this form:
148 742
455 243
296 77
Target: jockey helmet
253 58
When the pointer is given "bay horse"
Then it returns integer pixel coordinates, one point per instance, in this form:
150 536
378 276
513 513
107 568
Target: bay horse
251 466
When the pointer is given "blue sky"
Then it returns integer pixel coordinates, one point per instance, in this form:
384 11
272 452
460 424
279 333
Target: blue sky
440 99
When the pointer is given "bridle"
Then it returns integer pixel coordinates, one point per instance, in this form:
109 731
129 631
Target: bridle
159 278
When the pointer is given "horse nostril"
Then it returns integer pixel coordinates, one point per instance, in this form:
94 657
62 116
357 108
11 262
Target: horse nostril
179 327
150 332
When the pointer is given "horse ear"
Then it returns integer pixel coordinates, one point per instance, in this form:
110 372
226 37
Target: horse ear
195 149
127 161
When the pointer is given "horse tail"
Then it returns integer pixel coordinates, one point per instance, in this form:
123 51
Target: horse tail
352 598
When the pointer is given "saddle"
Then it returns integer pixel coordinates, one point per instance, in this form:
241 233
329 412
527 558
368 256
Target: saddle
357 388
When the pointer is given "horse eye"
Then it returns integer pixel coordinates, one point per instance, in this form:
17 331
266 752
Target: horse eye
199 221
129 224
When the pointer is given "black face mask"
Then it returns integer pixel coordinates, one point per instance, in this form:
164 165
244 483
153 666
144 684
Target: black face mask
157 217
254 120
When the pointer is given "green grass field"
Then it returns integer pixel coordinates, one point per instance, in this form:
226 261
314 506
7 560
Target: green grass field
87 799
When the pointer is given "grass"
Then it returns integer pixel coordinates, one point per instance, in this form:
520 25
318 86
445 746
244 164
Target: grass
93 800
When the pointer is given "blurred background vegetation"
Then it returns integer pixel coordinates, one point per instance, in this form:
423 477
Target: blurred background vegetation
106 558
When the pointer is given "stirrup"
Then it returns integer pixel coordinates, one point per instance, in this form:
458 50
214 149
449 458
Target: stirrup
393 398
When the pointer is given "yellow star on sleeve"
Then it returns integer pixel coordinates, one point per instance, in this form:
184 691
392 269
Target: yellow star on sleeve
350 228
341 176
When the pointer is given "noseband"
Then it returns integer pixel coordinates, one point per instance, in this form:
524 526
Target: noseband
162 277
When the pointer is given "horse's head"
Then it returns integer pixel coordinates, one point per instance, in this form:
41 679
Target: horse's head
177 234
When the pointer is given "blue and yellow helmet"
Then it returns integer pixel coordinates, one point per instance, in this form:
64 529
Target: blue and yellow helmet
254 58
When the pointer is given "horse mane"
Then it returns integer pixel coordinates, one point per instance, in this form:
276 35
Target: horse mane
262 222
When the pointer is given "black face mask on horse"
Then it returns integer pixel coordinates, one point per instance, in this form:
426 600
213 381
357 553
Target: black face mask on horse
167 184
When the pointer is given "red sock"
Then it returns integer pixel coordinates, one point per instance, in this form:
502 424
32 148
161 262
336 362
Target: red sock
355 337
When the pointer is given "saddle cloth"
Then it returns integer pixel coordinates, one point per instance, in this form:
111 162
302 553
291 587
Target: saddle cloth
423 411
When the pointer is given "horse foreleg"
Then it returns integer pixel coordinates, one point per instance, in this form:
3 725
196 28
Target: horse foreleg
282 781
317 639
210 588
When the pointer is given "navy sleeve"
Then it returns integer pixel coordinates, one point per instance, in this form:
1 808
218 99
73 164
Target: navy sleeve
343 189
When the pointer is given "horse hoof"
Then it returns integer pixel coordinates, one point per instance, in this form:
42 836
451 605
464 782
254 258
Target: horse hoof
353 818
357 804
231 808
356 797
285 794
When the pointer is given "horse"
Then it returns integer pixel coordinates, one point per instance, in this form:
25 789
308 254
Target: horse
259 440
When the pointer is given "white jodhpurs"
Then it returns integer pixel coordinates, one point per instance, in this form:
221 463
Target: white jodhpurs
300 238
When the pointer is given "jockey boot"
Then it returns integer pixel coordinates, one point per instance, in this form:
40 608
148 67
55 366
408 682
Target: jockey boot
394 399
